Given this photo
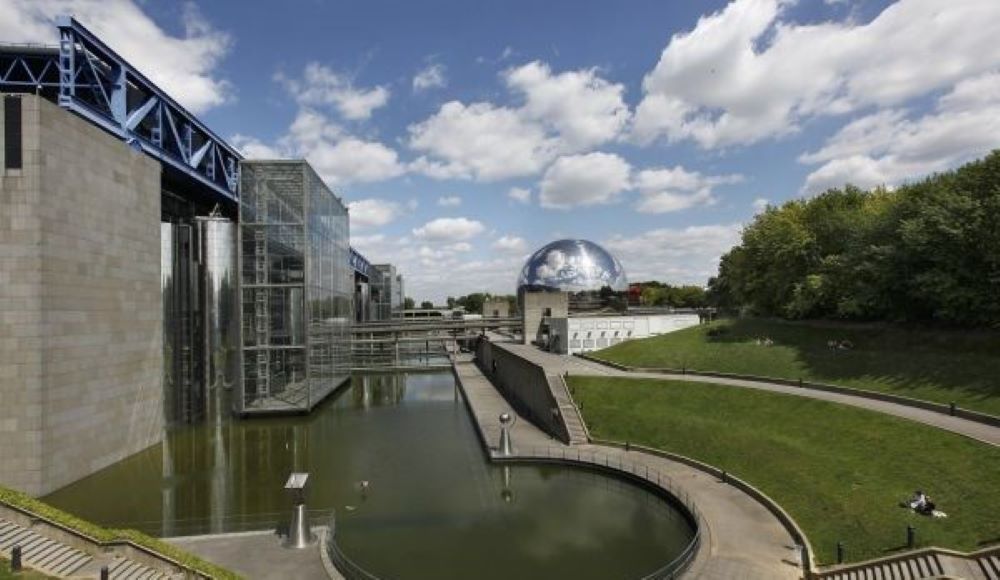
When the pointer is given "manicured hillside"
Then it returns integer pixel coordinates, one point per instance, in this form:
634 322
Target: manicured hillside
839 471
941 366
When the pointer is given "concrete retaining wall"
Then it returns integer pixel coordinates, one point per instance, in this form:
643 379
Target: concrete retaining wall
81 344
524 385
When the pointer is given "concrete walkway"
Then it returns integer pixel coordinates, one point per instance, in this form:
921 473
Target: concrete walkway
556 363
740 538
257 555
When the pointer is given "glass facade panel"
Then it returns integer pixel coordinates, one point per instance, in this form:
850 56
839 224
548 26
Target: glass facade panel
297 287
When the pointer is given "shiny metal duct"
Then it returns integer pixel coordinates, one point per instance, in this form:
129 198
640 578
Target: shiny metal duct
178 290
219 320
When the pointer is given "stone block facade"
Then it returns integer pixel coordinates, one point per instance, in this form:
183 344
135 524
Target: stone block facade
80 316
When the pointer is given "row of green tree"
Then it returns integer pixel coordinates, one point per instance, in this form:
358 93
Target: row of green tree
472 303
924 252
660 294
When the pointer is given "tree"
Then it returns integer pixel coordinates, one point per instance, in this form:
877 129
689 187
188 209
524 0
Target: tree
426 305
408 303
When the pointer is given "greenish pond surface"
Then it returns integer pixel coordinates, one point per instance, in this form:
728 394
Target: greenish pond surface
434 507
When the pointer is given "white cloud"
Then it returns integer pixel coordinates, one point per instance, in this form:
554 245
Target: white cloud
183 65
320 85
449 201
513 244
676 255
581 180
760 204
891 146
430 77
373 212
673 189
480 141
745 74
339 157
253 148
582 108
560 114
519 194
449 229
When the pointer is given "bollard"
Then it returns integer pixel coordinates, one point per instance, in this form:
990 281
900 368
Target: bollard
628 446
15 558
725 476
505 447
800 382
840 552
951 409
105 573
911 536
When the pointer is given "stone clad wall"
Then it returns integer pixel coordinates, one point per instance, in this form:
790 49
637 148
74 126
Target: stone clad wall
81 347
524 385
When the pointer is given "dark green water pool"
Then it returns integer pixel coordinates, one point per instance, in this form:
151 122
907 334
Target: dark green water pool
435 508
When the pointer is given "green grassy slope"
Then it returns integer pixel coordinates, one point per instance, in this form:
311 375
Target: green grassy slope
940 366
839 471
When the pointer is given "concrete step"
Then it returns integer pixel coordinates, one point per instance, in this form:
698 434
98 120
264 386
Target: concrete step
990 565
40 553
126 569
915 568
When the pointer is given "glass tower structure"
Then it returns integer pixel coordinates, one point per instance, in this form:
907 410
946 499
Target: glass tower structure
296 288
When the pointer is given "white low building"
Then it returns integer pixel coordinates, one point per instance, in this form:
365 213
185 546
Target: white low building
571 335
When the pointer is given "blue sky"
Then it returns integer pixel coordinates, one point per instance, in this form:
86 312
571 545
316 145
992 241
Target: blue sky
465 134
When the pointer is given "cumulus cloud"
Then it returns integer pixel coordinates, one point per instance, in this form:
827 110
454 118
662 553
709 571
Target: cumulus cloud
430 77
760 204
184 65
673 189
678 255
582 108
894 145
449 201
746 73
373 212
480 141
559 114
449 230
339 157
320 85
519 194
582 180
513 244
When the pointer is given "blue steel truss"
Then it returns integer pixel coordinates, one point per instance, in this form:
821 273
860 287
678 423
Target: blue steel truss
360 264
102 87
34 67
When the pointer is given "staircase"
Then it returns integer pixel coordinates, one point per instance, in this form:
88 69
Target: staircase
568 410
62 561
40 553
990 565
915 567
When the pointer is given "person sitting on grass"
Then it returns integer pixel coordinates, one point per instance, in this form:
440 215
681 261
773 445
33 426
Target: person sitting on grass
919 501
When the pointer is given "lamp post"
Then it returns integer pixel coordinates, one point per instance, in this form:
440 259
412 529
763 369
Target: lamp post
299 534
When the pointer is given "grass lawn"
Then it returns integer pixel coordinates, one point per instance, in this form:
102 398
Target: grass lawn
941 366
839 471
24 574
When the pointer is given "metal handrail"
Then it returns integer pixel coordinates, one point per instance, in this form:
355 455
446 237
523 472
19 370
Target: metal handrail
347 567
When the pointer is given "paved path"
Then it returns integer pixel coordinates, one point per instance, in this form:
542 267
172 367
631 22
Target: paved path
556 363
256 555
741 539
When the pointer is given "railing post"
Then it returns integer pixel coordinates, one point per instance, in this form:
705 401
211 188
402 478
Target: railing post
105 573
911 536
951 409
15 558
840 552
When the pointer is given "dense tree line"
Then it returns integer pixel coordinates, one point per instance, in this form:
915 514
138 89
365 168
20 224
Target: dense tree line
660 294
924 252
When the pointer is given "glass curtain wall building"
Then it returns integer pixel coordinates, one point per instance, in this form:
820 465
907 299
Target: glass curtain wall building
386 288
297 286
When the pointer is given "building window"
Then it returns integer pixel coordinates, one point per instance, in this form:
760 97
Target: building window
12 132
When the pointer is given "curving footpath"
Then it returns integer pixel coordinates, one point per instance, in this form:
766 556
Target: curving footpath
560 364
740 538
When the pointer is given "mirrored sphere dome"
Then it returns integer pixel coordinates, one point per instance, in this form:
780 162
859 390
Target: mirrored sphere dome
572 266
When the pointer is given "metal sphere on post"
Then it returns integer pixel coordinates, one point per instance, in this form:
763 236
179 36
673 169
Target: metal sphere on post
506 449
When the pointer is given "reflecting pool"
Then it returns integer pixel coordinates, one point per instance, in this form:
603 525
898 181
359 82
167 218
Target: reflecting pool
433 508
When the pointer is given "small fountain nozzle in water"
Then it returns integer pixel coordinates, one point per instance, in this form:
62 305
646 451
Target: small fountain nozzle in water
505 446
299 534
